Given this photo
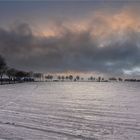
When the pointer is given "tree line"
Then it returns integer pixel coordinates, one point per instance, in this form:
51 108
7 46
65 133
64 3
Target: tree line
15 75
78 78
63 78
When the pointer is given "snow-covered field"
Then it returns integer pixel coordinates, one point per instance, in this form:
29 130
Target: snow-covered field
70 111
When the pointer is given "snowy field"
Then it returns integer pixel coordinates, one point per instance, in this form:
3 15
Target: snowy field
70 111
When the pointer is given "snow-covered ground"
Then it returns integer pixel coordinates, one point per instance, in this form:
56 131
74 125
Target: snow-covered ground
70 111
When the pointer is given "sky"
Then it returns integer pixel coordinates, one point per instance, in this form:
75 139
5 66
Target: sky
81 36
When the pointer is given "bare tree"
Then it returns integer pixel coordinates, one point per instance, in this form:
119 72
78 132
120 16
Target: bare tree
59 77
38 76
11 73
3 68
77 78
70 77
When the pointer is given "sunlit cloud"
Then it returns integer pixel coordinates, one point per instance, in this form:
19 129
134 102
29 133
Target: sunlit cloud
100 24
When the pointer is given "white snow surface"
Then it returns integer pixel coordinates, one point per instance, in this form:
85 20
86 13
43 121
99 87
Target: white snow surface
70 111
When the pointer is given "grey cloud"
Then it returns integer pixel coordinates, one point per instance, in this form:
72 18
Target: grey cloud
72 51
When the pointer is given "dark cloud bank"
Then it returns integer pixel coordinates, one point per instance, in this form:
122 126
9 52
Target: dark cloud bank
71 51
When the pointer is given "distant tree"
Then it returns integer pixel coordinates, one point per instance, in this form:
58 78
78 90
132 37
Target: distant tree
77 77
99 79
63 78
3 67
67 77
31 73
49 77
120 79
59 77
38 75
70 77
11 73
21 74
113 79
103 79
91 78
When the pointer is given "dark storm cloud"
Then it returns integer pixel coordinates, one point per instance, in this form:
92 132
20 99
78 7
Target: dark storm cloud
71 51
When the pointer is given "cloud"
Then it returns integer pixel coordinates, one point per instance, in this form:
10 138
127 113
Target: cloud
106 43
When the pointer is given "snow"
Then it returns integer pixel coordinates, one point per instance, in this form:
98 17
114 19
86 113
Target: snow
70 111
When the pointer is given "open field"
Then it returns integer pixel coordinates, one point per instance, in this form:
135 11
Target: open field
70 111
